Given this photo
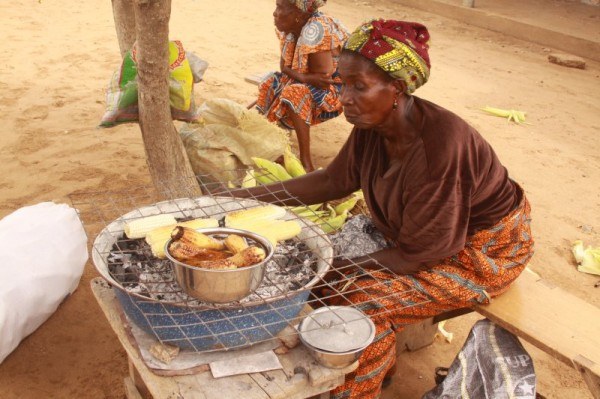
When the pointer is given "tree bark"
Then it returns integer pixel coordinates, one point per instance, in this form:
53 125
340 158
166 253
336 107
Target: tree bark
124 16
168 163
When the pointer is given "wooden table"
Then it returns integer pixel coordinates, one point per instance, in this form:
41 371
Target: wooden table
301 376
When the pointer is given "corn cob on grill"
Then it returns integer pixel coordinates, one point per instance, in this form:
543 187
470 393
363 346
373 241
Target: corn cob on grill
254 215
157 238
274 230
140 227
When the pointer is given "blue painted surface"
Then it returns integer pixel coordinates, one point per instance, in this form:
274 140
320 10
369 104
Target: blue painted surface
211 329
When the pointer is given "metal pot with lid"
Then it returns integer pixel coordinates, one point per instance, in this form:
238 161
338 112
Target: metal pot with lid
336 336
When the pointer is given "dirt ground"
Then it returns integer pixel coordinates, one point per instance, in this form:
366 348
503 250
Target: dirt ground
59 56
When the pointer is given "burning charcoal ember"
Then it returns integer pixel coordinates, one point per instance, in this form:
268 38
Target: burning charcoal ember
358 237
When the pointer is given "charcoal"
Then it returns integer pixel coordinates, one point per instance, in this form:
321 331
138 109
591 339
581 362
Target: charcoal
131 263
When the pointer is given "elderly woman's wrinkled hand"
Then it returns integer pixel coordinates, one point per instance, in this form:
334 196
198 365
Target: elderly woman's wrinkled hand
336 271
339 272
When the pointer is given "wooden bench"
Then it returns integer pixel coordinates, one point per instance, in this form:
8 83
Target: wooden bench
560 324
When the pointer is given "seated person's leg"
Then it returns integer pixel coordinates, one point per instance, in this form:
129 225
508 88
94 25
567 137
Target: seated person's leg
303 135
297 104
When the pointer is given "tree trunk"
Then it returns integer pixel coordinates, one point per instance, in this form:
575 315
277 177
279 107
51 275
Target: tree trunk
124 23
169 166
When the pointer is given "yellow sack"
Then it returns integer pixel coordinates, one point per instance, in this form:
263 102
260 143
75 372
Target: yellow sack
227 138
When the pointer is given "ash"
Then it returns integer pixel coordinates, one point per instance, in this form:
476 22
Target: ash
132 264
290 269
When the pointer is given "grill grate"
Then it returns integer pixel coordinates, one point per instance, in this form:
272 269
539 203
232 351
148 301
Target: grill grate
151 297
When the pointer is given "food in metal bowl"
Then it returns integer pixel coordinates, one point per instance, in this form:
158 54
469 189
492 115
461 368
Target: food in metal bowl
218 265
336 336
195 248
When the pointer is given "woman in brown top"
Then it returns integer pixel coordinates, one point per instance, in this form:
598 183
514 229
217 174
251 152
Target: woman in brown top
457 224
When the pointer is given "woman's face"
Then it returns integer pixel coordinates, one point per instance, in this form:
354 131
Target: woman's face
285 15
367 94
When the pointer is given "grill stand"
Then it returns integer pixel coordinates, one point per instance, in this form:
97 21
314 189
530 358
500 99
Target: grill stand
301 376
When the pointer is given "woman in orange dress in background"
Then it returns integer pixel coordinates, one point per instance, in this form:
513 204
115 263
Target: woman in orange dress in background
306 90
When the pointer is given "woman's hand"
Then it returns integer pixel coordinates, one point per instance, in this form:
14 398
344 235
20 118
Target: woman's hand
341 271
320 80
282 66
286 70
320 69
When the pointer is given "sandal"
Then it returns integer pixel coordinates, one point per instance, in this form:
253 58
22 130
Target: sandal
440 374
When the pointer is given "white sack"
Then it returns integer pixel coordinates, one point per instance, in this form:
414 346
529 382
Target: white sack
43 249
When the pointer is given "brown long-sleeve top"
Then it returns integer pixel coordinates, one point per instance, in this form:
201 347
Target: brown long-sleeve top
449 185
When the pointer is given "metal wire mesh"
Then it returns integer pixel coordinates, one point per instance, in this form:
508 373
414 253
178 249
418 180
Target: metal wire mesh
152 299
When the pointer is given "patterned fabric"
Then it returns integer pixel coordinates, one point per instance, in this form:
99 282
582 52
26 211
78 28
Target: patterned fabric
312 104
491 260
399 48
308 5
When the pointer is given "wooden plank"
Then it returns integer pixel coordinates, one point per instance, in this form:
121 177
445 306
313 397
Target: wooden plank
278 385
138 383
204 386
298 360
272 382
555 321
189 386
590 372
131 391
158 387
301 377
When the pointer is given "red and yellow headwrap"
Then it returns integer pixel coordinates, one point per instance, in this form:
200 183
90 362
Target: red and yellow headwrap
399 48
308 5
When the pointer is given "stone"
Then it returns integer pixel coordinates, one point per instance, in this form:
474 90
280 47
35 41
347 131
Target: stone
568 60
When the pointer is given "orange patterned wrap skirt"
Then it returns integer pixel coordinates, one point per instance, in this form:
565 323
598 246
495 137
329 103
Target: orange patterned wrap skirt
278 95
491 260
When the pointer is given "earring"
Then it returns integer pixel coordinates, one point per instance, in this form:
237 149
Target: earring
396 100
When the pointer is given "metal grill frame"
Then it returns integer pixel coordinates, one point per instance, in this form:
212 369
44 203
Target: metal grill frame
266 318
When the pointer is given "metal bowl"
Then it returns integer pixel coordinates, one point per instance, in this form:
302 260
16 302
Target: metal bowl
334 360
336 336
222 286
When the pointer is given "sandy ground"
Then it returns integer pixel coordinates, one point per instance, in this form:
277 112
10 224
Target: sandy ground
60 54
